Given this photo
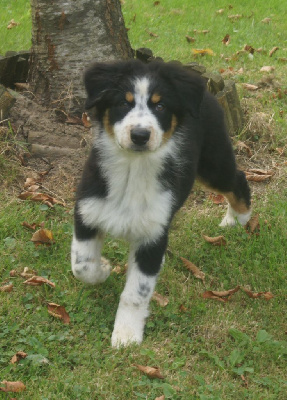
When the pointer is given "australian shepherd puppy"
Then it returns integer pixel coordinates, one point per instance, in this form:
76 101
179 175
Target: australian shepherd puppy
157 130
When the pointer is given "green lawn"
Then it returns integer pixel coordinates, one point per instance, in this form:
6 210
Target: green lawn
205 349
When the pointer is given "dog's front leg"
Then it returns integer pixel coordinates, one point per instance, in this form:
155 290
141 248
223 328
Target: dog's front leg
144 265
87 264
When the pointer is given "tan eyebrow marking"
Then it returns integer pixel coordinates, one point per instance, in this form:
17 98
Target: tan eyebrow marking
155 98
129 97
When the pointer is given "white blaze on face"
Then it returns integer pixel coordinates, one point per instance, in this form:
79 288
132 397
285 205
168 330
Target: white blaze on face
139 116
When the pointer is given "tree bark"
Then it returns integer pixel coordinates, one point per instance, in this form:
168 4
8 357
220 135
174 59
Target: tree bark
66 37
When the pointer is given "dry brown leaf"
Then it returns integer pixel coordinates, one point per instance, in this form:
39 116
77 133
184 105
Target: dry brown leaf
30 182
58 311
250 87
266 21
6 288
197 273
160 299
267 68
13 386
30 226
257 177
17 357
253 295
215 241
160 397
151 372
221 295
43 236
242 145
152 34
28 273
204 31
235 17
182 308
253 225
86 120
273 51
190 39
44 198
216 198
13 273
220 12
38 281
226 40
12 24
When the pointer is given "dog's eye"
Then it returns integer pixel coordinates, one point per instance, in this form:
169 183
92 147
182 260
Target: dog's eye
125 104
159 107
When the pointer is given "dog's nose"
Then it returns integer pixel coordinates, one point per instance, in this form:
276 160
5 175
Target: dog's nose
140 136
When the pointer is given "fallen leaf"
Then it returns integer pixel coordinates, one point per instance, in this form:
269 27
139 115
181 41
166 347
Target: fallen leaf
12 24
253 225
273 51
254 177
156 3
242 145
13 386
266 20
13 273
58 311
280 150
86 120
267 68
253 295
44 198
30 182
6 288
29 226
250 87
152 34
220 12
204 31
245 382
182 308
216 198
151 372
235 17
226 40
38 281
259 171
249 49
221 295
203 52
20 355
197 273
189 39
160 299
43 236
27 273
160 397
215 241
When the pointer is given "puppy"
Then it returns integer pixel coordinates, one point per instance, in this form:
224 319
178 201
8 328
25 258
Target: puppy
158 129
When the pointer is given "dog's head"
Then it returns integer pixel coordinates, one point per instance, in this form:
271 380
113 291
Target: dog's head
141 105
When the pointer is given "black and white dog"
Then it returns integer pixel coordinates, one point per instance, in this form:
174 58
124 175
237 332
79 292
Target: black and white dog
158 129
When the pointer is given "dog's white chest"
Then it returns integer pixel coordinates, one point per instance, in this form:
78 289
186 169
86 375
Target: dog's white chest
136 207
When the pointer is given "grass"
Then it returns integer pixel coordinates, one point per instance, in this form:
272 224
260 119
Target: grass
204 348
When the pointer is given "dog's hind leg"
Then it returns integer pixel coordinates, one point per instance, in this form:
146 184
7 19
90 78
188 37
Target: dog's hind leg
239 204
144 265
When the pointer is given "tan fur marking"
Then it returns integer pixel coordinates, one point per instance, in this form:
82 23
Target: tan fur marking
155 98
129 97
237 205
167 135
107 125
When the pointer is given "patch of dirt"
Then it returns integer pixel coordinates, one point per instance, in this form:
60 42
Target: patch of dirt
56 148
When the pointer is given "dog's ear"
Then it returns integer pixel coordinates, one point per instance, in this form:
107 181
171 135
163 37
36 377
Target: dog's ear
188 86
100 79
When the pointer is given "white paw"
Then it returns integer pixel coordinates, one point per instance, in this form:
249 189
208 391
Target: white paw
125 335
232 218
88 272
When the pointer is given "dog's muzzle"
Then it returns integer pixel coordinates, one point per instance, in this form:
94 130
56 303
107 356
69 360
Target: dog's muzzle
140 136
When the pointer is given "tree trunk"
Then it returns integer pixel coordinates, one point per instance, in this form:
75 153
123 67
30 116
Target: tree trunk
66 37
